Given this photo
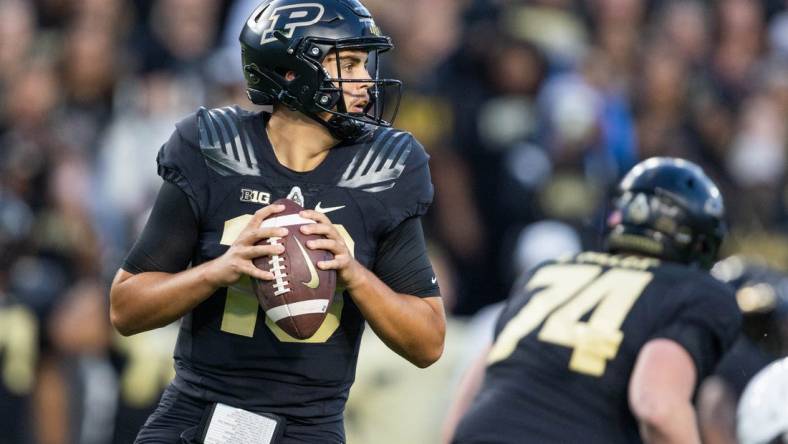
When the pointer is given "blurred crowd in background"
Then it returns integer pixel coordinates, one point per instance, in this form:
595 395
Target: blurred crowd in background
530 110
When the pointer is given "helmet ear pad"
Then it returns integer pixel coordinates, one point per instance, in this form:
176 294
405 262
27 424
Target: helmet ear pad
260 85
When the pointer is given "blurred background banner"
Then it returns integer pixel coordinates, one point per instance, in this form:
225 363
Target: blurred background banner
530 110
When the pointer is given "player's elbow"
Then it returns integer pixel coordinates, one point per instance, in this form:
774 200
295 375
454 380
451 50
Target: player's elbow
650 409
429 356
120 322
432 350
429 351
424 362
122 310
431 345
658 411
119 317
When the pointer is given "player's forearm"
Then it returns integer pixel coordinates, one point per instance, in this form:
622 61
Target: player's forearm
411 326
151 300
716 403
467 390
676 424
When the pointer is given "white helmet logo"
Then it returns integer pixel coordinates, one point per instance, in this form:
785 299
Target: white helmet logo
638 210
713 207
288 18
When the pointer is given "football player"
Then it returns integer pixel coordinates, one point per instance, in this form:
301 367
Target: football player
32 385
328 146
761 293
761 416
609 347
20 327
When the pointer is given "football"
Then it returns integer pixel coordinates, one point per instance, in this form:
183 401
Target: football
300 294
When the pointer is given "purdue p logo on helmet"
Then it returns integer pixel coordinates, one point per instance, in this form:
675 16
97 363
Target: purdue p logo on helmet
287 18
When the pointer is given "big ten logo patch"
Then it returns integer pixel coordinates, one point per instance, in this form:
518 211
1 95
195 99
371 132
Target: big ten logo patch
254 196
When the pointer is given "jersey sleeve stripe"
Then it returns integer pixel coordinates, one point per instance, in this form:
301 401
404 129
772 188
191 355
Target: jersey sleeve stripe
227 131
383 153
225 143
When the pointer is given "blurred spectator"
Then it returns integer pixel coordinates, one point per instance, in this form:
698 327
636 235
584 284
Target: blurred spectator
88 76
740 38
81 333
661 95
182 34
28 142
17 28
146 109
685 27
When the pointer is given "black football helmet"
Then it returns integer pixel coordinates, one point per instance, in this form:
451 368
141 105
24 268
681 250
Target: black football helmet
284 36
668 208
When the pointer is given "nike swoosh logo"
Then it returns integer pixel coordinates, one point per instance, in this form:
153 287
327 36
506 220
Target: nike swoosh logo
320 209
314 282
434 280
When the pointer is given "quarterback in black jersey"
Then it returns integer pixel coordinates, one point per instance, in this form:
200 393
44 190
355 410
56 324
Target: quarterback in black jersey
327 146
610 347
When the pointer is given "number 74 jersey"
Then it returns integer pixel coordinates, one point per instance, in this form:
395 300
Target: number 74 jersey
568 339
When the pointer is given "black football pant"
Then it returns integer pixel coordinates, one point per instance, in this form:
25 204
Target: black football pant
177 419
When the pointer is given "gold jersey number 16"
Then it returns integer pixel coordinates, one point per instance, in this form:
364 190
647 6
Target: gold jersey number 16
240 309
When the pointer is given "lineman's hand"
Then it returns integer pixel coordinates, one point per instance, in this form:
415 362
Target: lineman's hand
237 260
348 269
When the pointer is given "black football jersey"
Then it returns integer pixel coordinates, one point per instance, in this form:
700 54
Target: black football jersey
228 350
568 338
742 362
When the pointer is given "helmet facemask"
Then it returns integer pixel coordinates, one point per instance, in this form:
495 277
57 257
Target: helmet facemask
330 96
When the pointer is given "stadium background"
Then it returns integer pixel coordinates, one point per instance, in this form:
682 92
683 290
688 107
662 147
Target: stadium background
531 110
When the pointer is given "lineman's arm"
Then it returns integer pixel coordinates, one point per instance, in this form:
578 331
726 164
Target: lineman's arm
660 393
468 388
717 411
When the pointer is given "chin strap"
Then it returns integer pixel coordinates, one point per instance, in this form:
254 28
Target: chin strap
340 127
343 128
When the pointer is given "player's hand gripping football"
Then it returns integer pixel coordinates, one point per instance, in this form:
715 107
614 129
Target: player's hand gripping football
237 260
346 266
